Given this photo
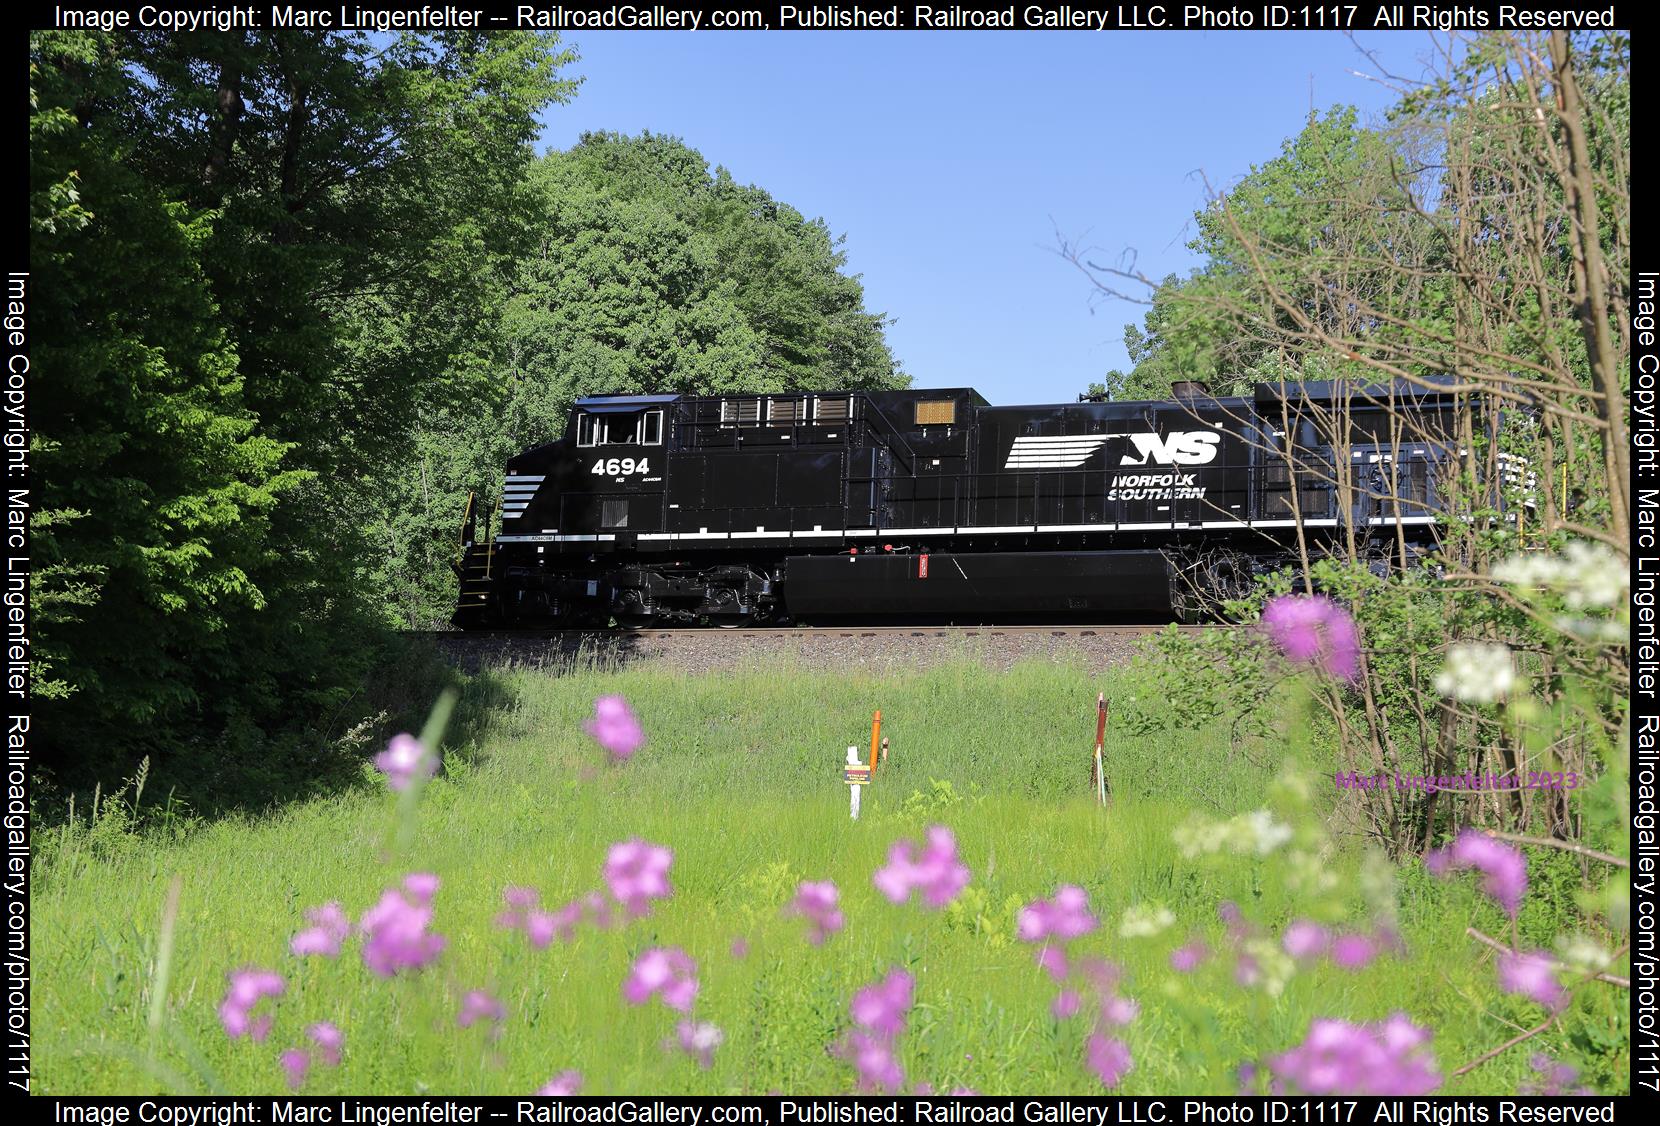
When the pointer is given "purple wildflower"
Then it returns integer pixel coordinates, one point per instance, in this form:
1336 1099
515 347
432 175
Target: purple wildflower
1053 961
521 902
1340 1058
1353 951
665 970
1304 939
329 1041
636 874
1108 1057
565 1083
816 902
1314 630
421 886
1066 1004
1504 867
1230 914
1554 1078
295 1063
1186 959
740 948
876 1062
1533 976
615 728
247 988
1116 1010
699 1039
1065 917
478 1005
327 933
404 761
881 1007
1101 974
935 871
395 935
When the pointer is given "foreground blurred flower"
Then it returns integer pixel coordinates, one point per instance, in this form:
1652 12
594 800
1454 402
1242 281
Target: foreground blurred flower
615 728
247 988
1108 1057
404 761
1143 920
1589 576
1052 959
1353 951
295 1063
395 936
637 873
327 933
1304 939
1065 917
328 1039
565 1083
1340 1058
1255 833
1117 1010
1066 1004
1504 867
665 970
1314 630
1477 672
1186 959
876 1062
882 1007
699 1039
1532 975
478 1005
816 902
879 1010
1554 1078
935 871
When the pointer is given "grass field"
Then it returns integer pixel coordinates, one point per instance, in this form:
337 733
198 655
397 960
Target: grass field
741 778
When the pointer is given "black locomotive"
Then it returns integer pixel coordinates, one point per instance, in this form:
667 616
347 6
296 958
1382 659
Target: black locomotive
935 505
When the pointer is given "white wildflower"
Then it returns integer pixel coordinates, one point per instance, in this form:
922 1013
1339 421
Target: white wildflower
1477 672
1265 965
1589 576
1145 920
1583 953
1309 873
1255 832
1258 832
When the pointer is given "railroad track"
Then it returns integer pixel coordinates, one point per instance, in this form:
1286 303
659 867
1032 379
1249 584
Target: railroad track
1090 630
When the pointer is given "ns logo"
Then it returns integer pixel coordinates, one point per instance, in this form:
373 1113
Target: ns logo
1182 447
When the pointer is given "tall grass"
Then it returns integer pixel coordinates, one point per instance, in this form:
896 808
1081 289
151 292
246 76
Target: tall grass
741 777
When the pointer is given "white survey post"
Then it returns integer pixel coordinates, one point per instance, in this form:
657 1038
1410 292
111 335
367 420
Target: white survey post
857 777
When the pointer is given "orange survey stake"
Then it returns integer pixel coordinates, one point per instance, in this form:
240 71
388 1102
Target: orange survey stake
875 736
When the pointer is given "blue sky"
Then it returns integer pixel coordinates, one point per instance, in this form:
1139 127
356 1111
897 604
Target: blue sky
950 159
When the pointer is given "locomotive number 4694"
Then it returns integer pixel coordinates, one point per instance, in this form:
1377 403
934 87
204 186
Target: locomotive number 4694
619 466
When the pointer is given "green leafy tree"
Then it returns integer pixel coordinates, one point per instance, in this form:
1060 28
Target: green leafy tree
647 272
264 254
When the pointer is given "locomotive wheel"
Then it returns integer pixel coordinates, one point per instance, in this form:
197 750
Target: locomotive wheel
636 621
